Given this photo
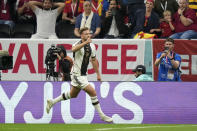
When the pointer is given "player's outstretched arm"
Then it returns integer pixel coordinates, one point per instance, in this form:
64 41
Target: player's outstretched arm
95 66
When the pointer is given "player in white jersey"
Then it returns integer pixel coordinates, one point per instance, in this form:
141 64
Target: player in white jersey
83 50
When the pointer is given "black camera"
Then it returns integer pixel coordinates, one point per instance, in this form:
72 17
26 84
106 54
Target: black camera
166 49
113 11
51 57
6 61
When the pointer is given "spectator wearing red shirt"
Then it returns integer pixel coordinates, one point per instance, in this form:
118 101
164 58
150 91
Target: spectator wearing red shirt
7 12
71 10
166 26
25 14
185 21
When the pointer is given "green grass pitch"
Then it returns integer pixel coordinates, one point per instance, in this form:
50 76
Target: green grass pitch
97 127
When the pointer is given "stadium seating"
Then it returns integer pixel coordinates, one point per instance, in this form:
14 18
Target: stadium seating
23 30
64 30
5 31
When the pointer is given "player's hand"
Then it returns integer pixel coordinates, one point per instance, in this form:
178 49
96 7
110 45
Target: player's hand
89 40
99 77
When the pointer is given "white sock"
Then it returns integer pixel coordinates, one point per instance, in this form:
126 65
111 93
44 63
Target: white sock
64 96
96 105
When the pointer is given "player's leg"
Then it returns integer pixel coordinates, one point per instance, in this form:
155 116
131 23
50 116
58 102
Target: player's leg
92 93
73 93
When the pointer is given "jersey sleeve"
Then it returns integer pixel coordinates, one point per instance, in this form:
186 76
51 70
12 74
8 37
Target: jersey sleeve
93 54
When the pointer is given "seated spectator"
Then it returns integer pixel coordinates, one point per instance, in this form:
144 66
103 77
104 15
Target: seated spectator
7 12
193 5
168 62
71 10
145 19
46 18
25 14
140 74
185 21
113 22
88 19
163 5
97 6
166 26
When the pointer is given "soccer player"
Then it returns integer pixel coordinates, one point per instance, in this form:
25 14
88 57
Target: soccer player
82 51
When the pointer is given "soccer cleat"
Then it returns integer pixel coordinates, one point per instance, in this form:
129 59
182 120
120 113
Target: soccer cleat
49 105
106 118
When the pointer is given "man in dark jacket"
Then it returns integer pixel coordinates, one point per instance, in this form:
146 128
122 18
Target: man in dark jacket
113 25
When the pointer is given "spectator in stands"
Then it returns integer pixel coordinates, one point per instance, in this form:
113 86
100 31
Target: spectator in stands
88 19
71 10
133 7
25 14
193 5
166 26
145 19
168 62
113 22
185 21
140 74
8 12
46 18
163 5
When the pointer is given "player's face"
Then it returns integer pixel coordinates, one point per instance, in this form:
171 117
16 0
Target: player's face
86 34
47 4
169 44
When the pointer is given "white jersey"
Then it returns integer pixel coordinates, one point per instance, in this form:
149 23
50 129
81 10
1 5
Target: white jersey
46 21
82 58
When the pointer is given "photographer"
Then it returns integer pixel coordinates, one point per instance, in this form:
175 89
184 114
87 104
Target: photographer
113 25
168 62
65 64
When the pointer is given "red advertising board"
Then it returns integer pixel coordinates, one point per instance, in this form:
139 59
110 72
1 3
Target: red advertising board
188 51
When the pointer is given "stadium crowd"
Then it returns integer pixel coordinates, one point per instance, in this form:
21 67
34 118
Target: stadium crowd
176 19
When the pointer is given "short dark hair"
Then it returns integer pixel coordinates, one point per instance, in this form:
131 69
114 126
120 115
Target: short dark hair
140 68
169 40
63 50
83 29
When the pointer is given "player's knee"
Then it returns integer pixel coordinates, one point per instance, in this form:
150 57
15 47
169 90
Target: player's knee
74 95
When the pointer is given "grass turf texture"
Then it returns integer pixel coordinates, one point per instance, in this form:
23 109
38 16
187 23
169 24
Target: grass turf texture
96 127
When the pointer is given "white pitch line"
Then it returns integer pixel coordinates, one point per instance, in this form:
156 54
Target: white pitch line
137 127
